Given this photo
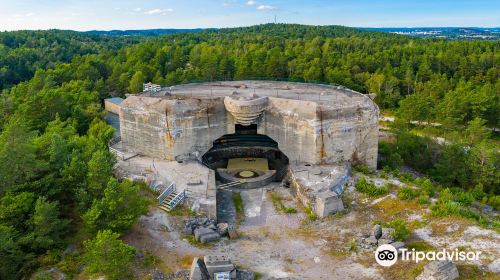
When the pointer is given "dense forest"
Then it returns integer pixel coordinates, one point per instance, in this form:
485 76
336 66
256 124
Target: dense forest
23 52
56 172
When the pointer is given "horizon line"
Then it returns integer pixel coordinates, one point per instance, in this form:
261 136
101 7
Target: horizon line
227 27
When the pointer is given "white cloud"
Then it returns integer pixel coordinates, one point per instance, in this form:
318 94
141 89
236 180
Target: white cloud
159 12
251 3
30 14
266 8
137 9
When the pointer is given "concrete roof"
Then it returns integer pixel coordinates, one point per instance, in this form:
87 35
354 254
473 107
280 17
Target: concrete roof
326 95
115 100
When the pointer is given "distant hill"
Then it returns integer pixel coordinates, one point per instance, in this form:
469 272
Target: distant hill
456 33
143 32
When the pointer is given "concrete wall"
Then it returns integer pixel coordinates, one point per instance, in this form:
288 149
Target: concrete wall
305 130
293 125
144 128
166 128
111 107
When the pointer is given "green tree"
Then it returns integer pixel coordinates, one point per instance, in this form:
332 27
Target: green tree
476 131
136 82
119 209
484 162
108 255
18 162
100 169
452 168
11 255
46 226
416 107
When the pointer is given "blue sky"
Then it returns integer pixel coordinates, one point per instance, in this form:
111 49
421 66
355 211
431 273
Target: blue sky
133 14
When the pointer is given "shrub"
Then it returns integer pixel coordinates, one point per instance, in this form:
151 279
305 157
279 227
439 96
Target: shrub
445 195
395 160
401 231
464 198
387 169
353 246
407 193
468 213
395 172
369 188
406 177
494 201
423 199
478 192
362 169
445 208
427 186
43 276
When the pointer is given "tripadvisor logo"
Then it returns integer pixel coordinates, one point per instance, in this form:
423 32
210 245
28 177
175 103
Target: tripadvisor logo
387 255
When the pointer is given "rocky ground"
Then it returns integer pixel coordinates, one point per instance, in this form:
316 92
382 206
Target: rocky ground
277 245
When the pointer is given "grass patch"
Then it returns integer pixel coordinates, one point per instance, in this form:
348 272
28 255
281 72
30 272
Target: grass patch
239 207
192 241
391 208
278 204
368 188
407 193
423 199
472 272
182 211
310 214
150 260
403 270
420 245
362 169
445 207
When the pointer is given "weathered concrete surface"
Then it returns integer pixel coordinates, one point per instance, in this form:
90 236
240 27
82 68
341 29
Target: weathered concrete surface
112 105
218 263
312 123
246 109
439 270
201 195
319 186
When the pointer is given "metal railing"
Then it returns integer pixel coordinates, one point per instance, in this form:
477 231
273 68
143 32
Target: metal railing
170 189
177 199
114 141
230 184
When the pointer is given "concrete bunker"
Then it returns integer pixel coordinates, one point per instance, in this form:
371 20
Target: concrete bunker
251 131
251 159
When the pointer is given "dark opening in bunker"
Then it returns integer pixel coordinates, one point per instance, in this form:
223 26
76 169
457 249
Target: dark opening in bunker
247 157
245 129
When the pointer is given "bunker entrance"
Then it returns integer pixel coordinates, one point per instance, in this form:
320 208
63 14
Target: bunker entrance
252 159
